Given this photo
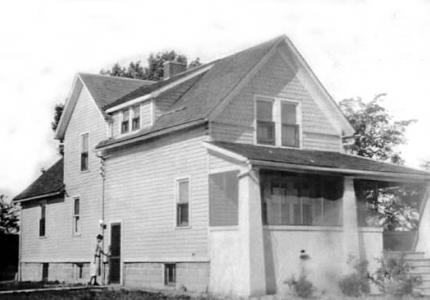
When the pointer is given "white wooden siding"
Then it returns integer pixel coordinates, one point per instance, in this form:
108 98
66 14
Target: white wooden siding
140 189
276 79
60 244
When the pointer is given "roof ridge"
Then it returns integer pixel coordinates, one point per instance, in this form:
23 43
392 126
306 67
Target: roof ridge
117 77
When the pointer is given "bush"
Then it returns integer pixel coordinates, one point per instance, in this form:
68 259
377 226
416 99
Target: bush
302 287
356 284
393 277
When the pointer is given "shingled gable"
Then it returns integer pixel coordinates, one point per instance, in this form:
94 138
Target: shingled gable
314 160
103 90
49 184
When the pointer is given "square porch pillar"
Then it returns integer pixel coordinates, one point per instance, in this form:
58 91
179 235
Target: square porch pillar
253 281
350 223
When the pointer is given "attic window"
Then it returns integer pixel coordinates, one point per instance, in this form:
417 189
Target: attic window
125 120
135 119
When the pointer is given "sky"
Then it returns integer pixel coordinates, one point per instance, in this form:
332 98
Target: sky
356 48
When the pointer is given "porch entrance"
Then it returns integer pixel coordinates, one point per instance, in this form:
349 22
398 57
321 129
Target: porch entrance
115 258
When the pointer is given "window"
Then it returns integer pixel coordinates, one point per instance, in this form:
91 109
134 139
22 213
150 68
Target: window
135 120
265 123
84 151
45 272
76 221
182 200
79 270
42 220
277 122
290 130
223 199
301 199
125 121
170 274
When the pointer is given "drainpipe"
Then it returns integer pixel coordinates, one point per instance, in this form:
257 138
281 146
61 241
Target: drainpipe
102 220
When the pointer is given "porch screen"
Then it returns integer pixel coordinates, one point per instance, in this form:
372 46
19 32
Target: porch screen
223 198
301 199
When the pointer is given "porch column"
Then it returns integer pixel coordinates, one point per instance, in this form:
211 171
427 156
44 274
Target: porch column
423 238
350 222
253 281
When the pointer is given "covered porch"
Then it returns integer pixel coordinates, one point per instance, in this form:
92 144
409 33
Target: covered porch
277 213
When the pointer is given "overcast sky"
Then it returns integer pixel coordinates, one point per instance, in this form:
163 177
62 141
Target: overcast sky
356 48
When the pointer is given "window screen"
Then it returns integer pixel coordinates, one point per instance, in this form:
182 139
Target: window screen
223 198
301 199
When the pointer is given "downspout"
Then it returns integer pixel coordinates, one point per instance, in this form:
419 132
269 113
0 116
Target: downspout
102 220
20 245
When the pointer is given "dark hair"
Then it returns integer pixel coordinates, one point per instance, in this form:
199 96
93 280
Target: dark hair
99 237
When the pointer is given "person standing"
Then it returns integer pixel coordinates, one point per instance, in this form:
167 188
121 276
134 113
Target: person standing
95 268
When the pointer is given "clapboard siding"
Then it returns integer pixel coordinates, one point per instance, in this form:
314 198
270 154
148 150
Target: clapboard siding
60 244
275 79
140 189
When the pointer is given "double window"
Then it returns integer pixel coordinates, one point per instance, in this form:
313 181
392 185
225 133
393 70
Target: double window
277 122
42 221
84 151
182 200
76 218
130 119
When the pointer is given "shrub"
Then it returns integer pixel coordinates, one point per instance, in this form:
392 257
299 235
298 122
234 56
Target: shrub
356 284
302 287
393 277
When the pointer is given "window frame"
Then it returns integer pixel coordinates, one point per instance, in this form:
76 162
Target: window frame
132 117
121 120
277 117
74 216
82 152
176 202
165 278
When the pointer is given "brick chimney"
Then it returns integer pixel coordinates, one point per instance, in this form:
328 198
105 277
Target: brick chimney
171 68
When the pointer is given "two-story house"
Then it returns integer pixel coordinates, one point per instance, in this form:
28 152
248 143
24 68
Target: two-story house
217 178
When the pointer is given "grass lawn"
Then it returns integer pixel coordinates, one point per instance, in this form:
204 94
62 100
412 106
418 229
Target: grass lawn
94 294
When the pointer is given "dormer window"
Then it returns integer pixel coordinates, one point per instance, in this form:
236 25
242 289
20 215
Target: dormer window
277 122
135 119
125 120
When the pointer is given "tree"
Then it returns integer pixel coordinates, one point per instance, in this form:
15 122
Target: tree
376 132
154 69
8 216
394 206
58 111
425 165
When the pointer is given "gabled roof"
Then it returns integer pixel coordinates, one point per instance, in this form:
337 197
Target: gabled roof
209 91
315 159
49 184
105 90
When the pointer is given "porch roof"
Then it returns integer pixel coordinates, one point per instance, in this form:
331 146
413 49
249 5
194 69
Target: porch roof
266 156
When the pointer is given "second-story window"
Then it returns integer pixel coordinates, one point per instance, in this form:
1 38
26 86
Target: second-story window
84 151
76 219
135 118
265 122
182 199
125 121
42 220
290 129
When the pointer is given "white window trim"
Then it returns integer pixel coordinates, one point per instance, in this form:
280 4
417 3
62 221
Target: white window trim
176 198
121 115
80 151
130 118
43 203
277 119
164 275
74 233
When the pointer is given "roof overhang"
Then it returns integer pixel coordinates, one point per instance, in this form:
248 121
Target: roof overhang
39 197
152 134
283 166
